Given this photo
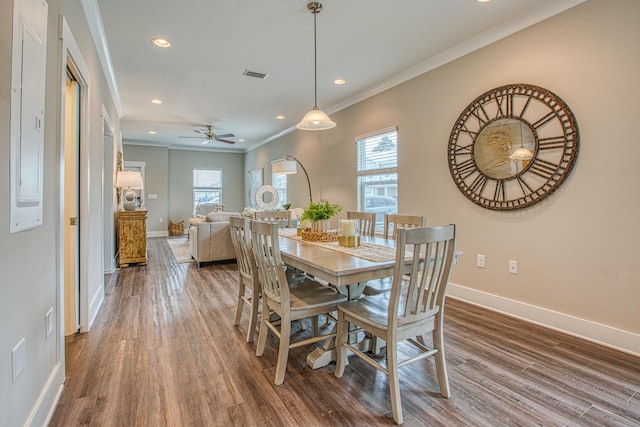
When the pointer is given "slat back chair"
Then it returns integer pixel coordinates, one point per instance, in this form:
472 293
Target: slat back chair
394 221
414 306
281 217
306 299
367 222
248 285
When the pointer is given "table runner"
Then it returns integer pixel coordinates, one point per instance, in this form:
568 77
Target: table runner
368 251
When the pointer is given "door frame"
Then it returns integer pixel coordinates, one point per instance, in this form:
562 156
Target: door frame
110 205
70 56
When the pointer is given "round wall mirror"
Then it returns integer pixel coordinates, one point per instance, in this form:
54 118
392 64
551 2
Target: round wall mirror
267 197
497 142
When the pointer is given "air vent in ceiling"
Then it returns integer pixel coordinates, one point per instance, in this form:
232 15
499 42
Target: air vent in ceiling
255 74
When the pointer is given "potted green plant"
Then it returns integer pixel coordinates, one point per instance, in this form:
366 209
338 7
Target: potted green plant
319 214
286 206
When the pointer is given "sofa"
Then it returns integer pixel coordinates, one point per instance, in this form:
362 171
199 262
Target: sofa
210 239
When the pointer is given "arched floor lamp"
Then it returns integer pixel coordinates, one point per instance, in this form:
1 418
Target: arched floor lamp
287 165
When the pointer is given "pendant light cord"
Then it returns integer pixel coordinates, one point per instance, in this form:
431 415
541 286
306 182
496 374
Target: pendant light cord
315 12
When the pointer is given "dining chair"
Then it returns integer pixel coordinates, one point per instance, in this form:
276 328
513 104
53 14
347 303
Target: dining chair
414 307
394 221
281 217
367 222
248 285
307 299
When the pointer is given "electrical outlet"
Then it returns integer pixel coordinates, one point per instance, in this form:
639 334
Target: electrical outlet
480 261
513 267
161 220
48 323
18 359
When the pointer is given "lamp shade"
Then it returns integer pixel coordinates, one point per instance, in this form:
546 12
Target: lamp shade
315 119
521 153
283 166
129 179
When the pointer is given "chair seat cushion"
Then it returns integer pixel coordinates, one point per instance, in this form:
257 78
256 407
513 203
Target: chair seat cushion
309 294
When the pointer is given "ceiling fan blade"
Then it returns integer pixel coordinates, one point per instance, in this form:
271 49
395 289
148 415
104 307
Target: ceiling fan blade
205 141
224 140
226 135
198 137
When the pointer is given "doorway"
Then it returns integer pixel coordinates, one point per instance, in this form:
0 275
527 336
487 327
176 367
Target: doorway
138 167
73 294
72 120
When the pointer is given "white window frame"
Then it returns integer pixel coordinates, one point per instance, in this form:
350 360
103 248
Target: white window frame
387 176
280 182
195 189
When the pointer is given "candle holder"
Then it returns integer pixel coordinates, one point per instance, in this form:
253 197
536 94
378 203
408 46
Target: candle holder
303 225
349 241
348 236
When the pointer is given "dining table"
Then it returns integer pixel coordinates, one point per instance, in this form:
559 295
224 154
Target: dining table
348 269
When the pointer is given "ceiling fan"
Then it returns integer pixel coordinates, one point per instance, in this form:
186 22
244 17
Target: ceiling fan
209 136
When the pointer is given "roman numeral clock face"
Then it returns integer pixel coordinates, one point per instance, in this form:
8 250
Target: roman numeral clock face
512 147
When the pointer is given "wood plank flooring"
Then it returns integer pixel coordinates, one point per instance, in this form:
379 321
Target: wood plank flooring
164 352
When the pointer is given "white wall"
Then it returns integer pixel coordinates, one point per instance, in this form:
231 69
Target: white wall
29 260
578 250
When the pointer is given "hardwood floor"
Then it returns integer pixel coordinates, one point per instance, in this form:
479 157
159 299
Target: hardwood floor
164 352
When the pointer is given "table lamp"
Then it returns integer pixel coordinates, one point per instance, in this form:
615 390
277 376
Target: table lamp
129 180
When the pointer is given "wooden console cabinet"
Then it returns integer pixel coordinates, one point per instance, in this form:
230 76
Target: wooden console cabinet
132 237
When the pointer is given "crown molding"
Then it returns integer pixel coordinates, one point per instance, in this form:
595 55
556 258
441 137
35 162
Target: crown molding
96 27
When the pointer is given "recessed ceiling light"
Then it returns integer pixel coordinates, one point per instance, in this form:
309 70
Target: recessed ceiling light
484 1
160 42
241 140
339 81
152 132
156 101
280 117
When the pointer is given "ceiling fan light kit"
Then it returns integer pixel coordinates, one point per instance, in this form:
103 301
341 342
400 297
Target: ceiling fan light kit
315 119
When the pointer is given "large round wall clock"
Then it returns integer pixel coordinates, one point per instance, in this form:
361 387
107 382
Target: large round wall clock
512 147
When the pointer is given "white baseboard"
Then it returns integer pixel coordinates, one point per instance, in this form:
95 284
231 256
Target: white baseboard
48 400
94 305
608 336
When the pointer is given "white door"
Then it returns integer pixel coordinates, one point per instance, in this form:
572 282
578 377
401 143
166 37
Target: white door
71 206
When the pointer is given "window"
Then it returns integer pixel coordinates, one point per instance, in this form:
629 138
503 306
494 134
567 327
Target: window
377 157
279 181
207 187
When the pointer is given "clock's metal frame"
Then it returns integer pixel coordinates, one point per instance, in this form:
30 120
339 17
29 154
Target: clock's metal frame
539 177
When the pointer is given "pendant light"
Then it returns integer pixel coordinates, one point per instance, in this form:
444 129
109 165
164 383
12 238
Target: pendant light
522 153
315 119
